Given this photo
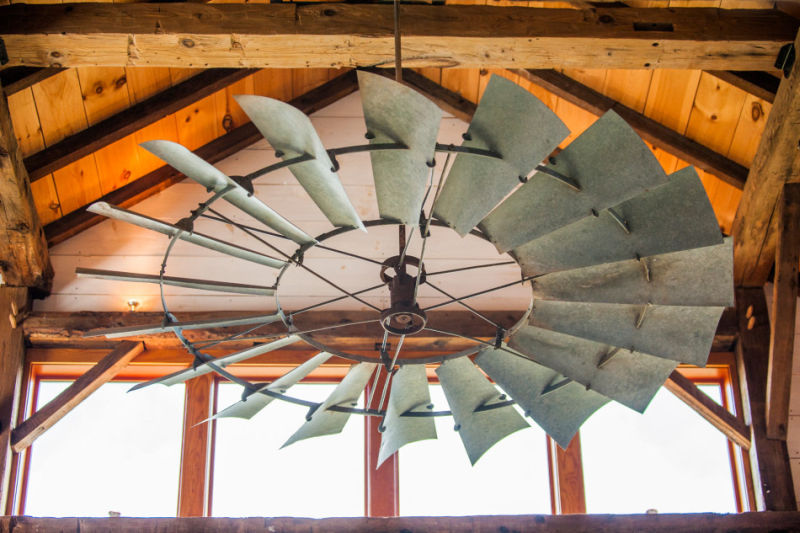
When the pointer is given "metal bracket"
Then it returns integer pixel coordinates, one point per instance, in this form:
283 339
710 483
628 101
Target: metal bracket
245 184
785 60
607 357
3 52
555 385
566 180
334 161
620 220
640 318
498 337
311 411
185 224
645 267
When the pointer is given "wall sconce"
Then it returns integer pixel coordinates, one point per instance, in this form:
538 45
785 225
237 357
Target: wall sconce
132 305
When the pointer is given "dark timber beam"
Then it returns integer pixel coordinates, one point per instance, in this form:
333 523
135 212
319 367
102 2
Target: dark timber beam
776 162
772 477
24 261
216 150
130 120
661 136
104 371
285 35
784 307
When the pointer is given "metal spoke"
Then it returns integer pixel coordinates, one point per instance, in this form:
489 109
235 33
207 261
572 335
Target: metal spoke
389 372
473 267
425 231
523 280
467 306
332 300
377 371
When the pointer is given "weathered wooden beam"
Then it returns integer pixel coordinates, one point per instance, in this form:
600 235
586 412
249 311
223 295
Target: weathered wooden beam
576 523
776 162
12 356
348 35
196 450
784 307
24 261
16 79
772 478
731 426
130 120
216 150
661 136
761 84
104 371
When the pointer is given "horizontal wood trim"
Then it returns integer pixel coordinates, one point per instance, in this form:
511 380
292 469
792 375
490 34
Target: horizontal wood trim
104 371
731 426
666 523
347 35
661 136
216 150
132 119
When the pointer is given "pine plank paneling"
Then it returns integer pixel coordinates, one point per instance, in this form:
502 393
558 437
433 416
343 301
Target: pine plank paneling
197 123
45 199
462 81
715 113
749 130
165 130
118 164
60 106
77 184
25 119
144 82
104 90
274 82
628 87
670 98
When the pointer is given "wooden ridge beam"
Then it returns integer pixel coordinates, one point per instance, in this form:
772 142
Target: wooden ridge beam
130 120
350 35
661 136
24 261
731 426
776 162
784 307
218 149
104 371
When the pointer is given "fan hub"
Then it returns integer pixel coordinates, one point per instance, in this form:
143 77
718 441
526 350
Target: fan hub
404 317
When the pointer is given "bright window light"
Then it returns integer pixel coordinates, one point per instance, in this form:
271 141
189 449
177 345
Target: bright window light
436 478
318 477
669 459
115 452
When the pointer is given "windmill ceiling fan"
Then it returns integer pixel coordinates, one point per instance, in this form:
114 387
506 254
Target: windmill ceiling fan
627 268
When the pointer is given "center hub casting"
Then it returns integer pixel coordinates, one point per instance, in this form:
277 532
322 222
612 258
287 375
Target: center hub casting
404 317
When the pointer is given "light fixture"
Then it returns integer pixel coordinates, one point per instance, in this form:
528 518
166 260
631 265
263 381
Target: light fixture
627 270
132 304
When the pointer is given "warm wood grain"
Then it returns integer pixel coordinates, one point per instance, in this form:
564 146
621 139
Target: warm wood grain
77 184
45 199
715 113
731 426
762 85
25 118
19 78
769 458
381 485
658 523
569 468
775 163
650 130
281 35
56 409
195 453
60 106
24 260
104 91
784 309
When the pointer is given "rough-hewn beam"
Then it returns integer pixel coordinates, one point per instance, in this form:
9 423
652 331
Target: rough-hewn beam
718 416
776 162
658 523
347 35
17 78
761 84
784 306
772 478
671 141
130 120
216 150
103 372
24 261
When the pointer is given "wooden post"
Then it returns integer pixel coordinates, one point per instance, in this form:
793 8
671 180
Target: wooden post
568 493
784 305
380 484
196 451
769 458
12 356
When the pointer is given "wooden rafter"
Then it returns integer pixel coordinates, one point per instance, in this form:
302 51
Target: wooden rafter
104 371
661 136
784 307
23 251
216 150
347 35
130 120
775 163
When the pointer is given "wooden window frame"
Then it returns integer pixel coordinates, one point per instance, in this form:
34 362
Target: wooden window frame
381 486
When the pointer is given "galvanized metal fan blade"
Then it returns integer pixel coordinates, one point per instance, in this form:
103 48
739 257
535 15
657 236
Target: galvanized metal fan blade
201 284
513 123
395 113
558 404
164 327
467 390
680 333
256 401
323 421
409 394
143 221
185 161
701 277
676 216
221 362
289 131
609 163
631 378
